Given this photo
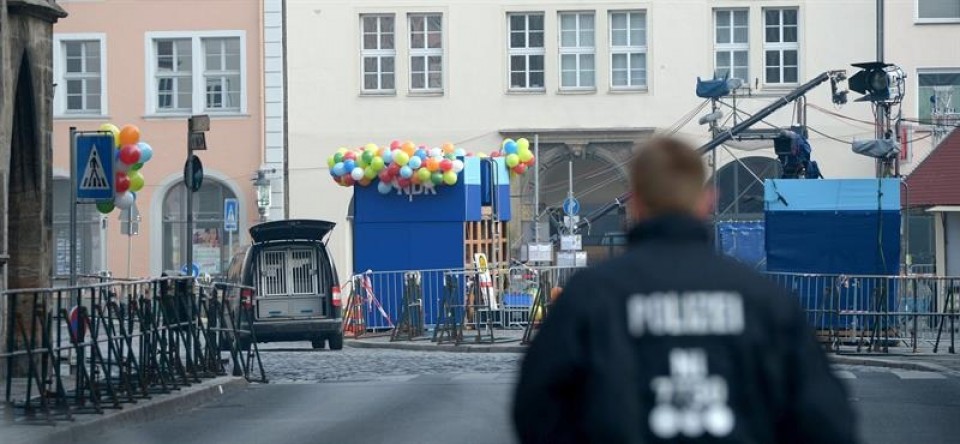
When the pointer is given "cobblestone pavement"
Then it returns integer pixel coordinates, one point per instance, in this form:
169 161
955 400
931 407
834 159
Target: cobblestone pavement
298 363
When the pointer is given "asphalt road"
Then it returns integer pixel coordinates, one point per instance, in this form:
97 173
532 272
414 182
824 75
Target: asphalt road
427 398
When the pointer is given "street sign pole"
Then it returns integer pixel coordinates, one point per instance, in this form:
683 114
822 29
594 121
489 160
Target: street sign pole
189 188
73 206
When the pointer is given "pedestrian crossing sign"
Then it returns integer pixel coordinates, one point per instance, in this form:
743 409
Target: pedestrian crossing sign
93 167
230 209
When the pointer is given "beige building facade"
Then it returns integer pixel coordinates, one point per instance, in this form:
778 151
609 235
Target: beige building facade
589 79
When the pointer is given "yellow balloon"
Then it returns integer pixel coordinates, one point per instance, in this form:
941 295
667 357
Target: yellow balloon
113 129
523 144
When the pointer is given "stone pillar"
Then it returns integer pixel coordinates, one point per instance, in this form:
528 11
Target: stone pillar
26 151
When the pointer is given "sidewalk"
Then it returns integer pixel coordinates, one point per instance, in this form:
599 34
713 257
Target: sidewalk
508 341
87 427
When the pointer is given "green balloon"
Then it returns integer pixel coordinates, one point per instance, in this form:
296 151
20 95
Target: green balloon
377 164
436 178
450 178
136 166
105 207
369 173
367 157
331 161
337 158
424 174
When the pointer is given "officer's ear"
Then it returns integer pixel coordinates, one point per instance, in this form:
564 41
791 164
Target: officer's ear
708 199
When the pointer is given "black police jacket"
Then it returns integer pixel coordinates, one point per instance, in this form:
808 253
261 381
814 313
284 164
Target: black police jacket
671 342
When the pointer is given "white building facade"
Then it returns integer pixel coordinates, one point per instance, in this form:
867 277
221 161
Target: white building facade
589 79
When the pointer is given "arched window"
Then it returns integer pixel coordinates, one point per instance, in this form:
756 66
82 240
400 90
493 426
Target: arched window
212 247
89 234
740 193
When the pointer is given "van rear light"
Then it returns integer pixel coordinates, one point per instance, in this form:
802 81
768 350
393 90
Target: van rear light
335 291
246 297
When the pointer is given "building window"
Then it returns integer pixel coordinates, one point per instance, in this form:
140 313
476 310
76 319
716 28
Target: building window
378 53
221 73
89 235
781 46
628 49
174 75
731 43
211 246
577 51
80 65
939 95
426 52
526 51
198 73
938 11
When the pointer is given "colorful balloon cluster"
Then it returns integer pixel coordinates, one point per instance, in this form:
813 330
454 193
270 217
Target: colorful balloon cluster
403 164
398 166
130 157
517 154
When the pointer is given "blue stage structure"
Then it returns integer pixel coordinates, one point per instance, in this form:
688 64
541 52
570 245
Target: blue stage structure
836 228
743 241
423 228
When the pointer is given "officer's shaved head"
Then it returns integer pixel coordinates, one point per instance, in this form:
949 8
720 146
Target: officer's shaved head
667 177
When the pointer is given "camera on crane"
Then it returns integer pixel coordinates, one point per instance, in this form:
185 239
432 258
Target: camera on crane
878 82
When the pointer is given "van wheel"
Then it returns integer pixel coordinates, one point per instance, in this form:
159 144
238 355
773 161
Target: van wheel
336 342
317 344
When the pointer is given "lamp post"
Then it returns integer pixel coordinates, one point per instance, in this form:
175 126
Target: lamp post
264 194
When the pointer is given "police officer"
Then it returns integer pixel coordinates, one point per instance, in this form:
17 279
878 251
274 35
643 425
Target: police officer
673 343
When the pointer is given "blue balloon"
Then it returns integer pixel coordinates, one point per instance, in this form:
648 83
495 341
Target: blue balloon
510 147
415 162
146 152
349 165
421 153
339 169
406 172
460 152
387 157
384 188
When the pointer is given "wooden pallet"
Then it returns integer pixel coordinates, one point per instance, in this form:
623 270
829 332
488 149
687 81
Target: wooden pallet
490 238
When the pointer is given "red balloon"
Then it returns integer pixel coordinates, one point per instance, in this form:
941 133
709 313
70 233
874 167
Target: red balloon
404 183
130 154
395 145
122 182
446 165
350 155
495 154
385 175
394 169
520 168
532 161
347 180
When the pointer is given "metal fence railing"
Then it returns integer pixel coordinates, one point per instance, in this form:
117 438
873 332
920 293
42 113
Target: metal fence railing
82 349
408 303
873 313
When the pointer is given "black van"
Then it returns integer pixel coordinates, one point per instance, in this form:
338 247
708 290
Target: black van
298 293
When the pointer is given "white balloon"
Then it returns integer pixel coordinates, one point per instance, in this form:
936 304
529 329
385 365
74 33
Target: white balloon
123 200
436 152
357 174
457 166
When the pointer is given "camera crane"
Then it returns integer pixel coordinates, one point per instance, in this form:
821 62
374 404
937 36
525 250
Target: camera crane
839 97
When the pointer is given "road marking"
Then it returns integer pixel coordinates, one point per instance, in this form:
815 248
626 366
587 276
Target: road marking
477 377
910 374
844 374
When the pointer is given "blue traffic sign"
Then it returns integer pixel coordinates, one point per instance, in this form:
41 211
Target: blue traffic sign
93 167
231 214
571 206
190 271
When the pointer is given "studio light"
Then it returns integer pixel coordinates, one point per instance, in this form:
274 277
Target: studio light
878 82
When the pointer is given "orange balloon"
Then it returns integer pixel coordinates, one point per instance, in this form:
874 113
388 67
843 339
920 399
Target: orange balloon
129 135
409 148
365 181
447 148
433 164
